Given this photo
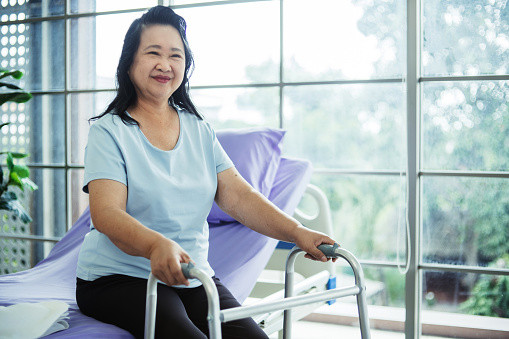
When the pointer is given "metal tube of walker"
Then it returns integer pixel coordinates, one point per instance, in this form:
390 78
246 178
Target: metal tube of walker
150 308
331 252
212 298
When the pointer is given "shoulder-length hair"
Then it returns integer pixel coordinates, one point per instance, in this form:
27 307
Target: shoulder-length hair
126 94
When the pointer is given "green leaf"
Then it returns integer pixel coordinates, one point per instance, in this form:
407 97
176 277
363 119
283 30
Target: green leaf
9 161
15 180
10 86
15 74
16 208
26 182
2 125
21 171
19 155
18 97
9 195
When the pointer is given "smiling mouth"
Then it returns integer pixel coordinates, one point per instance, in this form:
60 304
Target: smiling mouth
161 79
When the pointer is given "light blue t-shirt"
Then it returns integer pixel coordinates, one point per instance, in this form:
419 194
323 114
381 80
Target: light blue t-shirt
168 191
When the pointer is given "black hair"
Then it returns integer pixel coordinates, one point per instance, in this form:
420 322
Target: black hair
126 94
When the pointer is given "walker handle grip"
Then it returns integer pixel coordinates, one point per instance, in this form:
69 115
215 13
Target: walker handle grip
186 268
329 250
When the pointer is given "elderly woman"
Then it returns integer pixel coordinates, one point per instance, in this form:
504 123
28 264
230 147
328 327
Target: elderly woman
153 168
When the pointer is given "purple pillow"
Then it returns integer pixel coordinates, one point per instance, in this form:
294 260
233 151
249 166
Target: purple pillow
256 153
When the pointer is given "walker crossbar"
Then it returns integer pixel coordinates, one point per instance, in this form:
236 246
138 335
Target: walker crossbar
359 289
216 316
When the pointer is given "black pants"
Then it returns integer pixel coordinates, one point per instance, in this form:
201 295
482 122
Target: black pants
181 312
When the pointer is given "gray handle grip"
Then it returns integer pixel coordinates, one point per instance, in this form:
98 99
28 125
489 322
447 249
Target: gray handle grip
186 268
329 250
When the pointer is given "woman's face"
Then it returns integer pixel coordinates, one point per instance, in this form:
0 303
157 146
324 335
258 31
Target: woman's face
159 64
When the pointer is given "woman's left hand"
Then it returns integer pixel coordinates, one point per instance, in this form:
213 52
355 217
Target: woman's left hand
309 240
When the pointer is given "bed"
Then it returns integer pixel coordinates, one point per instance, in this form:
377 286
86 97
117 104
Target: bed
237 254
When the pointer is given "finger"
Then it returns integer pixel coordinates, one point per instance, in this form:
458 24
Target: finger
183 280
162 276
307 256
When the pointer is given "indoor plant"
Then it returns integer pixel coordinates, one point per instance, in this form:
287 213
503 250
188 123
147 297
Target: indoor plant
16 175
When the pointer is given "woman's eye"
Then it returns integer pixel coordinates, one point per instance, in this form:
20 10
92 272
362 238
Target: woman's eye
177 56
153 53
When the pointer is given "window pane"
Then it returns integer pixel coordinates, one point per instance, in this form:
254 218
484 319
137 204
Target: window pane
81 6
384 287
24 9
367 214
234 44
11 225
37 49
83 107
19 255
465 126
46 206
79 199
465 305
334 40
49 209
96 44
238 107
465 37
37 128
346 126
45 127
185 2
465 220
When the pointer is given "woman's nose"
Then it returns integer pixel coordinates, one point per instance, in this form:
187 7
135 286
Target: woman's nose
164 66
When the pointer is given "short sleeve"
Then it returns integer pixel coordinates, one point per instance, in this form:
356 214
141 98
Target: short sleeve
103 157
223 161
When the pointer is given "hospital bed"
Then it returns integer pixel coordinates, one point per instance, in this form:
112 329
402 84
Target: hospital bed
237 254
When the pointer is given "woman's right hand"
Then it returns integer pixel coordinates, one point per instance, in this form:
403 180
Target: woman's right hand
165 259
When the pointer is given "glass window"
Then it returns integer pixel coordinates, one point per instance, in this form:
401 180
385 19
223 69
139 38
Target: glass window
84 106
472 305
386 288
79 199
234 44
465 126
94 60
465 220
367 214
48 209
238 107
186 2
338 40
44 38
45 129
80 6
465 38
37 127
25 9
15 254
359 126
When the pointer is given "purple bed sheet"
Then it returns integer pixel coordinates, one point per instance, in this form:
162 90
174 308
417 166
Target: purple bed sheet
237 254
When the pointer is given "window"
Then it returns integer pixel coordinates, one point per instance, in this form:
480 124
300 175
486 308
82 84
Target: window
464 169
400 105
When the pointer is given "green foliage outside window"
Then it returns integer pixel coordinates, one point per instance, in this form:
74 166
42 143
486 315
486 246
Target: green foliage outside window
490 295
